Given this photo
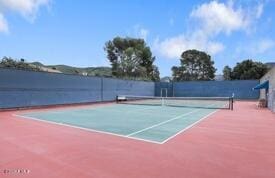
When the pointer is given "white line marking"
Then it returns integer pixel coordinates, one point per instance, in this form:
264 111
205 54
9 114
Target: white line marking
164 122
86 129
188 127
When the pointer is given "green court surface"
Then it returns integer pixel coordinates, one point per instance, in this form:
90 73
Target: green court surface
155 124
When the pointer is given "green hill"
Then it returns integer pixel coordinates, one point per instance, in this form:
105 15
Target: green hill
90 71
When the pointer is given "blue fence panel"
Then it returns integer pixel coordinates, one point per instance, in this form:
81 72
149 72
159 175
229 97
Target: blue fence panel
242 89
164 85
24 88
20 88
114 87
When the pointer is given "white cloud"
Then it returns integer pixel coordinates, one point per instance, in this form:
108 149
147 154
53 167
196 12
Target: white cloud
26 8
215 47
216 17
141 32
209 20
3 24
259 10
173 47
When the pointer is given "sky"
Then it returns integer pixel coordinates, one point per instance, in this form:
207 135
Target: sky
74 32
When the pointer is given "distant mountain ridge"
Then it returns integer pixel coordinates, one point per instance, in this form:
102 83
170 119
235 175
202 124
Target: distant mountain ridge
86 71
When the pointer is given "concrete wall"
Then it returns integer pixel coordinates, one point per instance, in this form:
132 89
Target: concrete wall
241 88
24 88
270 76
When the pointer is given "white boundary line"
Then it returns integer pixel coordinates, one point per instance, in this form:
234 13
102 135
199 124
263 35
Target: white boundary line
189 127
164 122
85 129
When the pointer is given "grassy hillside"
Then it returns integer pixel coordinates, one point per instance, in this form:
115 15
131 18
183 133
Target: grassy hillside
90 71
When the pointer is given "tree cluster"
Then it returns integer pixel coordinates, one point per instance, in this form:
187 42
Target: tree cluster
131 58
194 65
245 70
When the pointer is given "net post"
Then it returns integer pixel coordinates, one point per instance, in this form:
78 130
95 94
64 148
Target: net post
231 103
162 101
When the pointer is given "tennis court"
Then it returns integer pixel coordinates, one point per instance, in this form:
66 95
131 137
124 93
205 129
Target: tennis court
237 143
92 127
152 119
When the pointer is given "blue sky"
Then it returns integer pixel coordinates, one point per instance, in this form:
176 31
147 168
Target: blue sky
74 32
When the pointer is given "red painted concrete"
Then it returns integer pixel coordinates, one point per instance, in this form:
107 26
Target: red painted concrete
239 144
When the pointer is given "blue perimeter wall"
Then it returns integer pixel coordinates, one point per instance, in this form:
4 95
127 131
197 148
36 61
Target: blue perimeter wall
20 88
242 89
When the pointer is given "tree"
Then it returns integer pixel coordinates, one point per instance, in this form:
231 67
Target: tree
178 74
249 70
131 58
227 73
195 65
155 74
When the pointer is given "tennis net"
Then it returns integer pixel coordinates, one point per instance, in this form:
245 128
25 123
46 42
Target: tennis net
193 102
